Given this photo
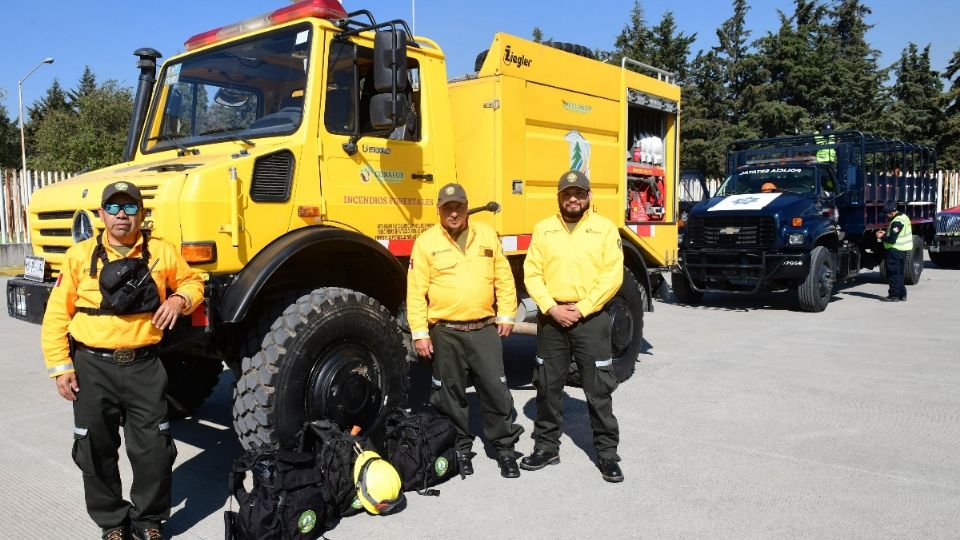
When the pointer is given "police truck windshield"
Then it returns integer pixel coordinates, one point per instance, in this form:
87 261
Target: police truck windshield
775 179
252 88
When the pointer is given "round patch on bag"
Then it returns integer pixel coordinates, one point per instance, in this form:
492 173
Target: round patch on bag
356 504
307 521
441 466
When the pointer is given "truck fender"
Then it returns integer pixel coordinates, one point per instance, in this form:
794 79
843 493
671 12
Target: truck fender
243 291
633 259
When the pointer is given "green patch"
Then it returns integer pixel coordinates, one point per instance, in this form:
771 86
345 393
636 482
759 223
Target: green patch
441 466
307 521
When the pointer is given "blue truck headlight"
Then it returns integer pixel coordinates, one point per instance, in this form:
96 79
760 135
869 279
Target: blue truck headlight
796 239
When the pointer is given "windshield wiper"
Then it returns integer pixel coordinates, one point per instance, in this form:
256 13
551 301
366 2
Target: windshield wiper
172 139
231 136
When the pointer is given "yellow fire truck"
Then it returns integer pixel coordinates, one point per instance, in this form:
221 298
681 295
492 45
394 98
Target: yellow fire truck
294 157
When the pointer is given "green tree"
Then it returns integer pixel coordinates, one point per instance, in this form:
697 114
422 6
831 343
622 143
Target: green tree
949 146
92 137
915 114
55 100
671 48
635 39
537 34
9 138
855 97
86 86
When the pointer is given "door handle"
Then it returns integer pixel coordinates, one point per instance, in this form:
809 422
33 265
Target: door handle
427 177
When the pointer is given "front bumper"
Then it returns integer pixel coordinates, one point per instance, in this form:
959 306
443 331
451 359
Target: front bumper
743 272
944 244
27 300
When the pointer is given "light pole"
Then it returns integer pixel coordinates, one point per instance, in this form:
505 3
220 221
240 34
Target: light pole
23 144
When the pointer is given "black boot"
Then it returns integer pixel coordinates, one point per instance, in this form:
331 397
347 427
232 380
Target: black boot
508 466
539 459
466 463
610 470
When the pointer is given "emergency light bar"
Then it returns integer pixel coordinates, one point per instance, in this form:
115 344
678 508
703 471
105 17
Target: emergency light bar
321 9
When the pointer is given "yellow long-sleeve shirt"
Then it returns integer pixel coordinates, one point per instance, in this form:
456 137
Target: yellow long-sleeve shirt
75 288
584 266
445 283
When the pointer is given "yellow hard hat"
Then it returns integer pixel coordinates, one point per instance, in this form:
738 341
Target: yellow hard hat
378 484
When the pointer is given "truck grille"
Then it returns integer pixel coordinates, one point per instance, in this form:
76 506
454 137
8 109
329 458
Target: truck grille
948 224
731 231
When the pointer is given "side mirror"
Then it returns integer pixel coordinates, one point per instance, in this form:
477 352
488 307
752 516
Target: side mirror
387 112
390 61
229 97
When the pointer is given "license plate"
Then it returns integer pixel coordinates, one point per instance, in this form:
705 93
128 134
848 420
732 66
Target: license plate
34 268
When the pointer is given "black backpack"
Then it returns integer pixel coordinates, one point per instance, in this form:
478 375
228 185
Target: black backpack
422 447
288 499
335 452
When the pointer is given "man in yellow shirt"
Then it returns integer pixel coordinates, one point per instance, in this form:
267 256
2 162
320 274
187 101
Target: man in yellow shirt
573 267
455 268
100 331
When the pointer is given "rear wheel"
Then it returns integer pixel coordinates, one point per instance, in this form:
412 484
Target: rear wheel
817 288
683 291
913 266
626 329
333 354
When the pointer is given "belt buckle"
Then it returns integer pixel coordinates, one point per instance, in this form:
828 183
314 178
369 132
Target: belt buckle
124 356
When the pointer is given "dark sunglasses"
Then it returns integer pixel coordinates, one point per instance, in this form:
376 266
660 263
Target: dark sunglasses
114 208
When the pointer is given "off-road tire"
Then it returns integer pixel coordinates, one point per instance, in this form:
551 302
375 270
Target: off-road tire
626 329
683 292
815 291
190 380
913 265
335 354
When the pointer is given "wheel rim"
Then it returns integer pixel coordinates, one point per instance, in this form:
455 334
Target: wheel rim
621 325
345 386
825 280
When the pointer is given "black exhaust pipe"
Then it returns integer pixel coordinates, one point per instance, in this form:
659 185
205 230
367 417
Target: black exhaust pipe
148 75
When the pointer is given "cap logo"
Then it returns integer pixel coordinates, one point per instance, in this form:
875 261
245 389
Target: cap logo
571 178
450 190
121 186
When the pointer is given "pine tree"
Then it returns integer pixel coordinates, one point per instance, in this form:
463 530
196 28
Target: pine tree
670 48
9 138
635 38
537 34
86 86
915 114
854 97
55 100
949 144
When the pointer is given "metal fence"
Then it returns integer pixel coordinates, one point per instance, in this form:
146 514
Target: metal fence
16 192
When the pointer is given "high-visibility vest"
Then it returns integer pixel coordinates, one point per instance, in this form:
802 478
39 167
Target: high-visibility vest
826 155
905 239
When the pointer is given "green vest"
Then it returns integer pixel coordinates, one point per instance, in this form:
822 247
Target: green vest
826 155
905 240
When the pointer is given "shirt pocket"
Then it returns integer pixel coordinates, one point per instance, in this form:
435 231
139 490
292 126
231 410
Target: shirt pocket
444 263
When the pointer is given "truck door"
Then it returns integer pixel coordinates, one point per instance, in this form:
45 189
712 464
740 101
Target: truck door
385 188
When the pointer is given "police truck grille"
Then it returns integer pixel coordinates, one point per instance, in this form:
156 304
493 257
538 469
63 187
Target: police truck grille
731 231
948 224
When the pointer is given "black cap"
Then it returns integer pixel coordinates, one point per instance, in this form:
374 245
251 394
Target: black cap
571 179
121 187
451 192
890 207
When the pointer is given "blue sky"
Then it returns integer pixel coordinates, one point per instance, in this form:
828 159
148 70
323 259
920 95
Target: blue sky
104 33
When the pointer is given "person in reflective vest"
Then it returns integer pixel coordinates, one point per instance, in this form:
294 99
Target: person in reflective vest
826 155
897 242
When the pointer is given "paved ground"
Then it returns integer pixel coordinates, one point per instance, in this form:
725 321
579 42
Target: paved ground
745 419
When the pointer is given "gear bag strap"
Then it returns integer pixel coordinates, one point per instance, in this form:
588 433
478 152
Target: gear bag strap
100 253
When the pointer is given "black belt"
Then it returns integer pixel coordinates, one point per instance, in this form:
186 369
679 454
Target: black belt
468 326
121 356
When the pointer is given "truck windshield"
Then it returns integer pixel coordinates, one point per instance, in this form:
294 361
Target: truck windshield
770 180
253 88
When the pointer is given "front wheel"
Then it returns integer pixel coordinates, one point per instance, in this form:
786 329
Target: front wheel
626 329
913 266
817 288
333 354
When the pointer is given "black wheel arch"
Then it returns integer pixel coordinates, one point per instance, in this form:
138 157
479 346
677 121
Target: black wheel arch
633 259
311 257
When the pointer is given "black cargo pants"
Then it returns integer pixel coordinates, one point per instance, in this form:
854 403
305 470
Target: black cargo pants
458 357
894 261
134 393
588 343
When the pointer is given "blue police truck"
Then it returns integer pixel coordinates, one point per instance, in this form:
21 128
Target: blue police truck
799 213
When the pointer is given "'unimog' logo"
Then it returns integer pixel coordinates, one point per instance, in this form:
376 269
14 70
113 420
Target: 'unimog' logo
510 58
